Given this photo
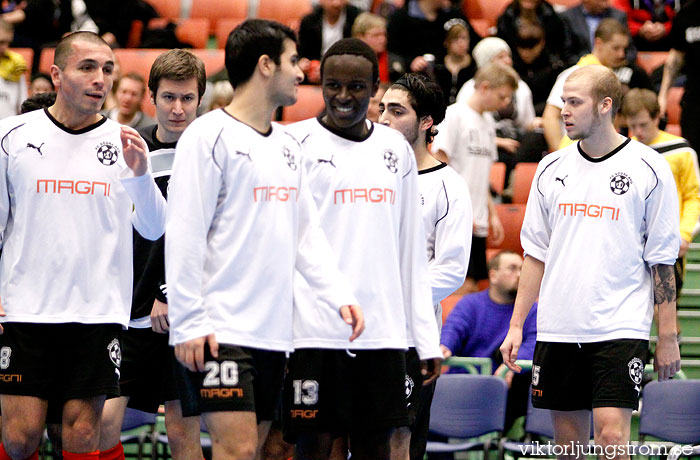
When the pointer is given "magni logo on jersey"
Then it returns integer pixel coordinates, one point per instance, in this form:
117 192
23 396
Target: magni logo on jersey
107 153
620 183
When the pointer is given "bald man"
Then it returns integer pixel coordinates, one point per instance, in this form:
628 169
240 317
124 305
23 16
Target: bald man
600 231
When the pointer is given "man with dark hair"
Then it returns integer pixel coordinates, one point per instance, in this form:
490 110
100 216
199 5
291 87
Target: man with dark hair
240 221
176 82
38 101
363 179
129 94
413 106
600 236
79 182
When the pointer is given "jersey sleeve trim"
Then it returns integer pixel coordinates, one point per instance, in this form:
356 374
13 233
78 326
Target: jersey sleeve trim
538 177
655 177
2 142
213 156
447 199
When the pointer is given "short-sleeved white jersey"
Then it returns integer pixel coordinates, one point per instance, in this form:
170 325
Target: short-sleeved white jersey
522 98
366 191
66 200
447 221
599 224
240 220
468 138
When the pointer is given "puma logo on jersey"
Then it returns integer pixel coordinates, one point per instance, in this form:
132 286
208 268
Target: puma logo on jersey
38 149
330 162
561 179
245 154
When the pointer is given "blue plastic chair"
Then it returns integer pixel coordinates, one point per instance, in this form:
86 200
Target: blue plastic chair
134 419
467 406
671 411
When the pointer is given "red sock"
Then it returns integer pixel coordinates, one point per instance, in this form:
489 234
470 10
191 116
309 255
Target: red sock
5 456
86 456
113 453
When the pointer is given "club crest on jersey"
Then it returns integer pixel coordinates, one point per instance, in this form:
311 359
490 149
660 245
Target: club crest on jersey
636 370
107 153
290 158
408 386
620 183
115 352
391 160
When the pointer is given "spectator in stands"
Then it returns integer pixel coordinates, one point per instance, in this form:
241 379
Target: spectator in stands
38 101
467 140
685 49
373 109
581 23
515 119
222 95
13 83
39 26
479 322
649 22
611 39
535 64
129 95
537 12
640 108
419 28
371 29
40 83
458 66
330 21
111 19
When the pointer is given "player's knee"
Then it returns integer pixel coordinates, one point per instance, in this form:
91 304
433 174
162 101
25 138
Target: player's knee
611 436
81 433
401 437
242 450
18 445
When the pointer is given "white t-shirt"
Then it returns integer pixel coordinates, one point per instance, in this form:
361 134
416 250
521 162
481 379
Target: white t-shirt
447 221
468 139
599 225
240 221
331 33
66 201
524 107
12 94
367 195
554 98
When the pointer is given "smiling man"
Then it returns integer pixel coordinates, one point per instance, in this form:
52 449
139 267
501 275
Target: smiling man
364 181
129 95
74 185
176 83
600 236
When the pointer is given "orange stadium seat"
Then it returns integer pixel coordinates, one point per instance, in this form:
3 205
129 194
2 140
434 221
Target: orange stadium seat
673 105
216 10
485 9
28 55
137 61
194 31
167 8
497 177
511 216
483 27
213 59
673 129
650 60
284 11
223 28
522 178
448 303
309 104
46 59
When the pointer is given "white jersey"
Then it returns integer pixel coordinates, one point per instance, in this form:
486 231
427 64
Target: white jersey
599 224
367 195
12 94
468 138
447 221
240 220
522 98
66 203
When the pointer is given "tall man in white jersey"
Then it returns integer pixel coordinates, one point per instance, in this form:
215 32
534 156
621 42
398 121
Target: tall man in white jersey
363 178
240 221
600 236
413 105
73 183
176 82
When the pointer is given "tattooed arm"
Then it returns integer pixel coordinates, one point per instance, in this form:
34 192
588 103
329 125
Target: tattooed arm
673 65
667 359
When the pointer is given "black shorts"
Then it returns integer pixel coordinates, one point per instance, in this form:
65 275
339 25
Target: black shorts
241 379
571 376
413 384
342 391
147 375
60 361
477 260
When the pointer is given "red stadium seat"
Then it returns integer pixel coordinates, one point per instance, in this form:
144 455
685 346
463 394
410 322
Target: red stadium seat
309 104
167 8
673 129
448 303
284 11
46 59
673 105
483 27
216 10
497 177
194 31
28 55
522 178
511 216
213 59
650 60
223 29
484 9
